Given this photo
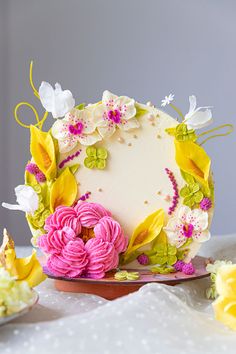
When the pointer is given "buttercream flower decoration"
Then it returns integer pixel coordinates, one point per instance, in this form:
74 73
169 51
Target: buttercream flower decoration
225 304
96 158
125 275
192 194
27 199
26 269
167 100
56 101
83 240
77 127
115 112
187 224
197 118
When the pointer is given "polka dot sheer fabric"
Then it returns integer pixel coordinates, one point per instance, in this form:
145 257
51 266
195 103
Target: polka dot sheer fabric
156 319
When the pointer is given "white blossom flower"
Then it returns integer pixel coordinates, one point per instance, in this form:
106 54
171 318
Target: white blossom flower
188 224
167 100
56 101
196 118
115 112
27 199
77 127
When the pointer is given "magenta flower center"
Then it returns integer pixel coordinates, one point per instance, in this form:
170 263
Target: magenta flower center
114 116
76 129
188 230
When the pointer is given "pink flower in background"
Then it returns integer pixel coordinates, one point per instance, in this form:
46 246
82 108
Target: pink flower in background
83 240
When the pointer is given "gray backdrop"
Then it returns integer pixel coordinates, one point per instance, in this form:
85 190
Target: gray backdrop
143 48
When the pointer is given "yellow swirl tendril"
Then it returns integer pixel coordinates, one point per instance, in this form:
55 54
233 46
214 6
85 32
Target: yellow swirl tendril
230 130
39 122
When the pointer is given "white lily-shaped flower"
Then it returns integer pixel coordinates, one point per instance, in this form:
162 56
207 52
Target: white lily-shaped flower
77 127
167 100
115 112
27 199
56 101
196 118
188 224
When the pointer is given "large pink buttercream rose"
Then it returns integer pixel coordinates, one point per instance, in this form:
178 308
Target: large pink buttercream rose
71 262
55 240
63 216
110 230
102 257
69 254
90 213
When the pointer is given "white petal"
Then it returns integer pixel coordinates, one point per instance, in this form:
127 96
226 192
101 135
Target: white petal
174 238
198 218
126 105
89 125
99 114
199 119
26 198
63 103
129 124
108 98
89 139
46 94
201 236
67 145
192 105
59 129
183 212
108 131
13 207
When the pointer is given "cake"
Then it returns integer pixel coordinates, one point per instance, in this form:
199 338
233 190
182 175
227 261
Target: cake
116 184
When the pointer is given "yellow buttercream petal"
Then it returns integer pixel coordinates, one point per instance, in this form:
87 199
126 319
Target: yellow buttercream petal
43 151
147 231
193 159
64 190
225 311
226 280
25 269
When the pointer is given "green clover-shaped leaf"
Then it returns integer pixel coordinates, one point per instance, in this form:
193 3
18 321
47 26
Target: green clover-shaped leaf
96 158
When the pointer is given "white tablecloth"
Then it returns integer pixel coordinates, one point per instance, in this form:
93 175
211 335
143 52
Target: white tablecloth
156 319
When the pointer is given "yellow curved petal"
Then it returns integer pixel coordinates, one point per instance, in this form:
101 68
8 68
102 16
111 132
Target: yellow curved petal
193 159
147 231
43 151
64 190
25 269
225 311
226 280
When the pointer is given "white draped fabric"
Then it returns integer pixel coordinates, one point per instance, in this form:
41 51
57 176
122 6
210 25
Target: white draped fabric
158 319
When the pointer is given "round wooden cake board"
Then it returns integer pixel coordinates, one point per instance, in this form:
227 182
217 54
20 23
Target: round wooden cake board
110 289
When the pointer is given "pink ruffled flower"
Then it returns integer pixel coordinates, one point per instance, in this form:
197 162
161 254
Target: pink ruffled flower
110 230
71 262
90 213
55 240
73 255
102 257
63 216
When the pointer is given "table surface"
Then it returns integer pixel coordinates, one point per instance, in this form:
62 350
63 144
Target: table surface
156 319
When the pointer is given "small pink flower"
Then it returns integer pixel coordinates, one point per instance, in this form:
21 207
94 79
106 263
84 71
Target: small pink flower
90 213
71 262
188 269
40 177
102 257
143 259
63 216
109 230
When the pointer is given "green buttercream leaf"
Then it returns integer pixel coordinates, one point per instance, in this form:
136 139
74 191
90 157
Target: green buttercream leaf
90 162
91 151
102 153
80 106
171 131
140 111
163 270
198 197
184 134
100 164
74 168
171 260
185 191
187 177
